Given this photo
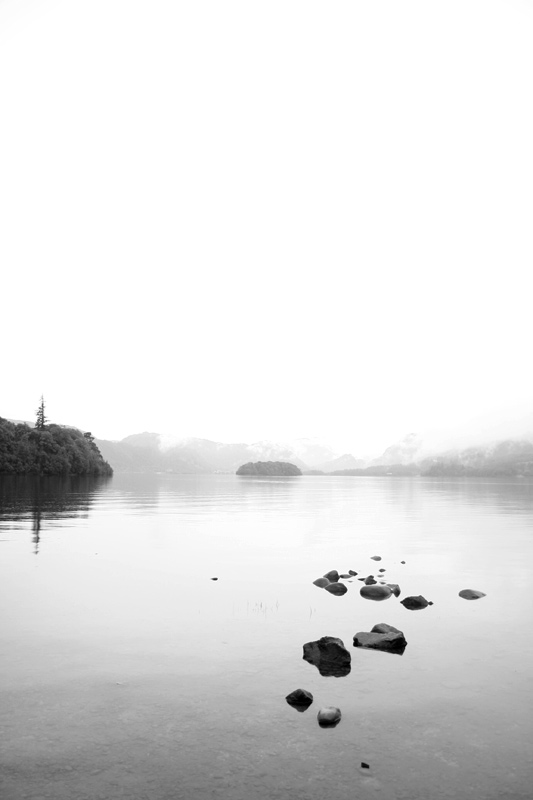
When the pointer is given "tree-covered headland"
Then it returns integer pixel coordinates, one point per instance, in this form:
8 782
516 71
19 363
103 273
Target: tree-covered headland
48 449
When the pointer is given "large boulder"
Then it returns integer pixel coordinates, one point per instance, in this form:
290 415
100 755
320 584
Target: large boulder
329 656
381 637
376 592
471 594
328 716
414 603
336 588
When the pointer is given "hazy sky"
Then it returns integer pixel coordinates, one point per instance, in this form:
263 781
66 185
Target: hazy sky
248 220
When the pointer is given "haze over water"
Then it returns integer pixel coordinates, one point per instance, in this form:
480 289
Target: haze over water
128 673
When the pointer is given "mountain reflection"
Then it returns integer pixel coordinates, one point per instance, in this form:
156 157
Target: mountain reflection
40 500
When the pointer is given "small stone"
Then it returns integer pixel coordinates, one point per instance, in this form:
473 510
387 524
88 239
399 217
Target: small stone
471 594
332 575
321 582
300 699
376 592
336 588
214 579
345 575
352 572
375 558
414 603
402 562
361 579
382 569
370 580
364 765
329 716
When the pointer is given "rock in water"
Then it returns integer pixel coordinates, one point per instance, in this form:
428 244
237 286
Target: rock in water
381 637
300 699
395 589
375 558
345 576
471 594
352 572
321 582
329 656
414 603
329 716
376 592
332 575
336 588
370 580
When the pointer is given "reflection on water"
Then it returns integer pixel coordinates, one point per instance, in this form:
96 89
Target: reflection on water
45 500
128 672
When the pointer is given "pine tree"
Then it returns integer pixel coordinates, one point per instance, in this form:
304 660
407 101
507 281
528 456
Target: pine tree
41 418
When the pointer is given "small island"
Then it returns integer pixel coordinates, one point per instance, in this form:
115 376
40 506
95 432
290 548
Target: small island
48 449
269 468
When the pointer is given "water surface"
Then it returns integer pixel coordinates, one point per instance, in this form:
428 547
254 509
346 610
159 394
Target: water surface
128 673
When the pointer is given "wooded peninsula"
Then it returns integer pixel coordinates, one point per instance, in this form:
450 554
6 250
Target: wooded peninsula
48 449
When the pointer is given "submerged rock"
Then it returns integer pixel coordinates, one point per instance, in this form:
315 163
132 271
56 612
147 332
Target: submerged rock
321 582
370 580
414 603
329 656
375 558
376 592
329 716
332 575
300 699
336 588
471 594
381 637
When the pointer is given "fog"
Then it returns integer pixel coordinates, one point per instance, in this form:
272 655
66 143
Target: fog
246 222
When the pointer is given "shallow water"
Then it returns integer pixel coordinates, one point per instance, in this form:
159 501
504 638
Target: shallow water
128 673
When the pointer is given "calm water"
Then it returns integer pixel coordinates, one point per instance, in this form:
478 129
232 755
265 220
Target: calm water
127 673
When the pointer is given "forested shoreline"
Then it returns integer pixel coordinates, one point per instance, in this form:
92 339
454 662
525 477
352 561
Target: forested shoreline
48 449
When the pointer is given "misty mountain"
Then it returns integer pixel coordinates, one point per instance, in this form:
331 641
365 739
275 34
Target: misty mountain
403 452
154 452
347 461
512 457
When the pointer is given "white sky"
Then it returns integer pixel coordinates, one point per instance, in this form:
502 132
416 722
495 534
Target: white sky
248 220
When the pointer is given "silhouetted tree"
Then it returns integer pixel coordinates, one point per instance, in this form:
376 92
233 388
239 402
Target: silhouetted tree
41 418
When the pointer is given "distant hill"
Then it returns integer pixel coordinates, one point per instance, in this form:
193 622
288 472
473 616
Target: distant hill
154 452
269 468
52 450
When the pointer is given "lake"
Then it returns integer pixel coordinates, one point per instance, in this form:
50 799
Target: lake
126 672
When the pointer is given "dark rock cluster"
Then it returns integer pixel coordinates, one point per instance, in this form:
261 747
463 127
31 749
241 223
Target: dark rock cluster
330 656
